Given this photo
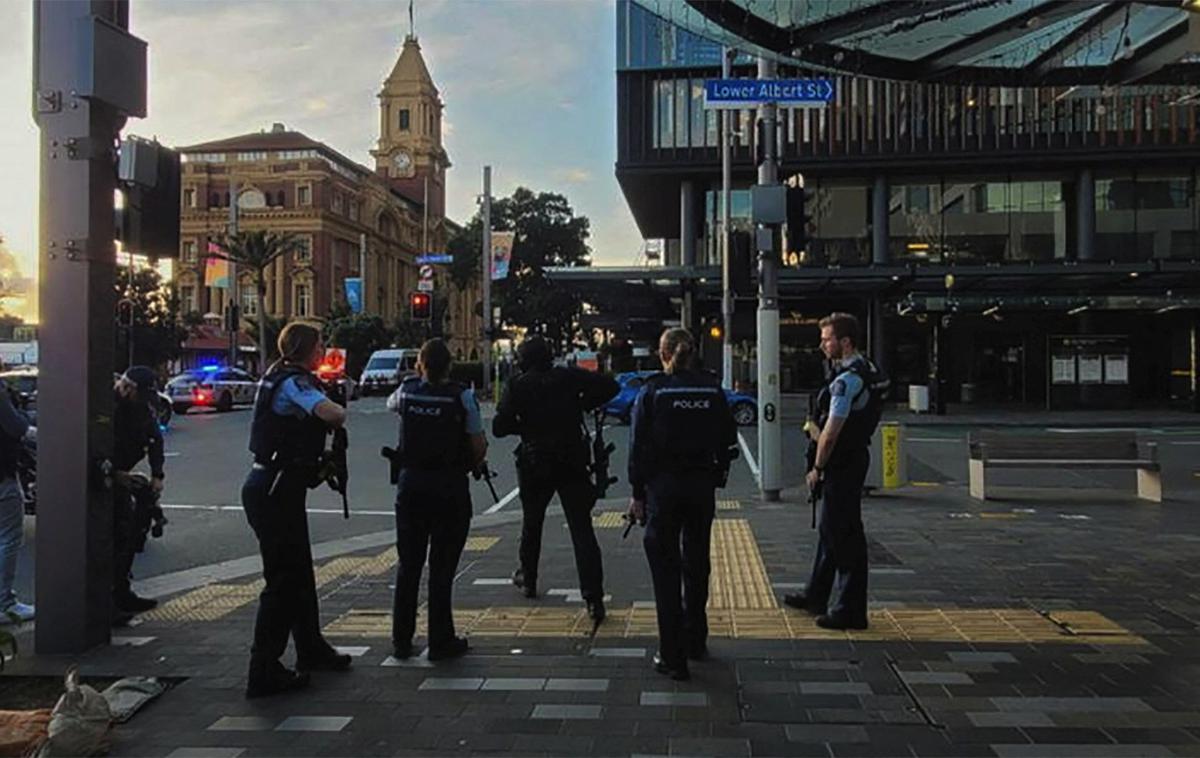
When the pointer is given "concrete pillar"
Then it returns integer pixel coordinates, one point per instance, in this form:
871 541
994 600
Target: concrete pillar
880 198
876 338
1085 216
687 223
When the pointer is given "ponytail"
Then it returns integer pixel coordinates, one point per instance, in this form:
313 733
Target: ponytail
676 349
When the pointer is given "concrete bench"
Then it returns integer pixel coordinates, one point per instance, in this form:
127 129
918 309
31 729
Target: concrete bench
1086 450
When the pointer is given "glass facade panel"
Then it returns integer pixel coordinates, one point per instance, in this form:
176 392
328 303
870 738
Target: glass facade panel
843 231
698 113
975 220
915 230
1038 221
681 112
1166 216
1116 218
665 105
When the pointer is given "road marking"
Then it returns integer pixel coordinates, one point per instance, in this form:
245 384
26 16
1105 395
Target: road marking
172 455
750 462
504 500
238 509
1185 442
933 439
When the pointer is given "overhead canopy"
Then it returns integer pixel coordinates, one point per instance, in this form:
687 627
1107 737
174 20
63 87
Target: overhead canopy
986 42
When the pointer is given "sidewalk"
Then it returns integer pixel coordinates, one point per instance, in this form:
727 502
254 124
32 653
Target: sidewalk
1055 629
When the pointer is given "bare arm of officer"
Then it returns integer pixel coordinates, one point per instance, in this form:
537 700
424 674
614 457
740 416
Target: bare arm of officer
828 438
331 413
476 440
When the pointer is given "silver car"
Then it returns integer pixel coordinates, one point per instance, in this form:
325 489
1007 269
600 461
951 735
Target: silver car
212 387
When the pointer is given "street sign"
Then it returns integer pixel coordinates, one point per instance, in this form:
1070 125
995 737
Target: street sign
787 93
425 281
435 258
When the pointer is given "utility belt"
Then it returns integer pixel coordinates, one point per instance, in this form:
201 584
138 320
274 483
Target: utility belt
307 471
545 454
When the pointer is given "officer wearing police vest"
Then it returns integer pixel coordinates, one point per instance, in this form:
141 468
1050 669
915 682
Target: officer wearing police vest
545 404
681 440
441 442
292 417
849 410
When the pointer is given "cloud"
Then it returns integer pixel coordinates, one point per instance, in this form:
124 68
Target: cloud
573 175
316 104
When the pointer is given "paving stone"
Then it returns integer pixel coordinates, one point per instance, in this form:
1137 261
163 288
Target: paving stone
513 684
674 698
1110 704
834 688
936 677
1082 751
452 683
242 724
709 746
576 685
314 724
1010 718
822 733
618 652
975 656
206 752
559 711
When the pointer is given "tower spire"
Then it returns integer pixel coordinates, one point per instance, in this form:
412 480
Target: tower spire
412 24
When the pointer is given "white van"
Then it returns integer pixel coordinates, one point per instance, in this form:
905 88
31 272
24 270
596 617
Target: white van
386 369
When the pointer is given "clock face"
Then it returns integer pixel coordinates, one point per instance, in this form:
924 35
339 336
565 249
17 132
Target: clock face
402 161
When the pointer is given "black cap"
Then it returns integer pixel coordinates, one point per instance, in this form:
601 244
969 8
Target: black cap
144 378
534 353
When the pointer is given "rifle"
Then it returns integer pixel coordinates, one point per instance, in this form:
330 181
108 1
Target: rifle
601 454
335 470
393 458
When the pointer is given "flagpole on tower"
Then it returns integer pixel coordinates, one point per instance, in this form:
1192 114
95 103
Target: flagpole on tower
412 24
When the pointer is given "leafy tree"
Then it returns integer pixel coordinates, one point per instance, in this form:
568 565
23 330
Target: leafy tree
158 330
8 323
359 334
255 251
274 325
548 234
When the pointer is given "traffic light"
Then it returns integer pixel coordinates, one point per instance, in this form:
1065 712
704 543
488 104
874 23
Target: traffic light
125 312
795 250
714 331
421 306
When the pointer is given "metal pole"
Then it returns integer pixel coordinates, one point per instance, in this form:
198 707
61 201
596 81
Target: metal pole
362 270
234 290
726 182
770 456
486 256
76 275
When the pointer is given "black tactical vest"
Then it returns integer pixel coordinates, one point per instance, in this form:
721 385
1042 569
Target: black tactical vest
688 413
860 425
10 447
285 440
432 425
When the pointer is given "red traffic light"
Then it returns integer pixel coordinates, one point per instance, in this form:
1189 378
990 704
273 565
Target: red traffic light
421 306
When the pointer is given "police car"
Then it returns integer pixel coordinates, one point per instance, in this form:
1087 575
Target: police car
744 407
211 387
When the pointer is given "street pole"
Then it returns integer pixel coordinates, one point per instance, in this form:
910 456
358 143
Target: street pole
726 182
486 256
77 259
770 456
362 272
235 321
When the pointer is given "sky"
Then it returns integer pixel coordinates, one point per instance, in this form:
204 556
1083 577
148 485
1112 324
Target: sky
529 88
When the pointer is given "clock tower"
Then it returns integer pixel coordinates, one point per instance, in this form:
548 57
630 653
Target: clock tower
409 152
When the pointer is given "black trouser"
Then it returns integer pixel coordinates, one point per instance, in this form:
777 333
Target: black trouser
124 539
578 498
679 516
288 603
839 574
433 522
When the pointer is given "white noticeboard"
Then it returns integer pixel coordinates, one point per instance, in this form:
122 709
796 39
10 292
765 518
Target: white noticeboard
1063 369
1091 369
1116 369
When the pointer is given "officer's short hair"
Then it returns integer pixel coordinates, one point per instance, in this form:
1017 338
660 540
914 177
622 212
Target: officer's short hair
534 353
435 359
844 325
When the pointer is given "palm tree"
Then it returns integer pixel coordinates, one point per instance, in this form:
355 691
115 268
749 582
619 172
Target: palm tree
255 251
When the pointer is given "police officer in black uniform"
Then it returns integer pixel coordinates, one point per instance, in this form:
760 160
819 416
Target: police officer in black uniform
136 436
681 446
545 404
292 417
441 441
849 411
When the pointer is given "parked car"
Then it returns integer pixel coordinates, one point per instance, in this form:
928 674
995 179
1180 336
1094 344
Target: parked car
22 382
743 406
211 387
386 369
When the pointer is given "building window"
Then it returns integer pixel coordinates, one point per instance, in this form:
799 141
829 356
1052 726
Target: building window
188 255
304 249
187 298
354 210
303 195
252 199
249 300
303 301
189 198
257 155
404 119
339 202
214 200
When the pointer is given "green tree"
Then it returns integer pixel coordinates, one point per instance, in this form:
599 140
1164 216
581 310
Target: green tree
255 251
274 326
548 233
158 332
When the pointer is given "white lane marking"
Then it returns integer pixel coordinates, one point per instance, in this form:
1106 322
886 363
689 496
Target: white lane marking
1184 442
504 500
750 462
238 509
172 455
1089 430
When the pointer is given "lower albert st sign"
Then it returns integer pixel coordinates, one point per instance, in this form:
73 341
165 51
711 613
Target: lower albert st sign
788 93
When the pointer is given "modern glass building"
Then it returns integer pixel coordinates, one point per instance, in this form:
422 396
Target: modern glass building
988 235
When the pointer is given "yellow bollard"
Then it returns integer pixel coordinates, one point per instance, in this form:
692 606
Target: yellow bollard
892 474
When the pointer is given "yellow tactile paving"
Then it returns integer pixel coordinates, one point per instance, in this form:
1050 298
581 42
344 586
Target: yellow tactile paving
608 520
729 505
739 579
479 544
1086 622
999 626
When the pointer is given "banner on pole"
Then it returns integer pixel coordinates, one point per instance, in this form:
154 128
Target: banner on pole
216 269
354 293
502 245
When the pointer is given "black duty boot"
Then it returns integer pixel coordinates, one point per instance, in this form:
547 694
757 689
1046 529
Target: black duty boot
596 610
329 660
456 647
801 601
526 583
127 602
837 621
273 679
678 672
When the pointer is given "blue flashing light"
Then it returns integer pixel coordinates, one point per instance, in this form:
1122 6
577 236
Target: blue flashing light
210 369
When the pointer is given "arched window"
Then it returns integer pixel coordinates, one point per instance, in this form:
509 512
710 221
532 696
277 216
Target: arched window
252 199
214 200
